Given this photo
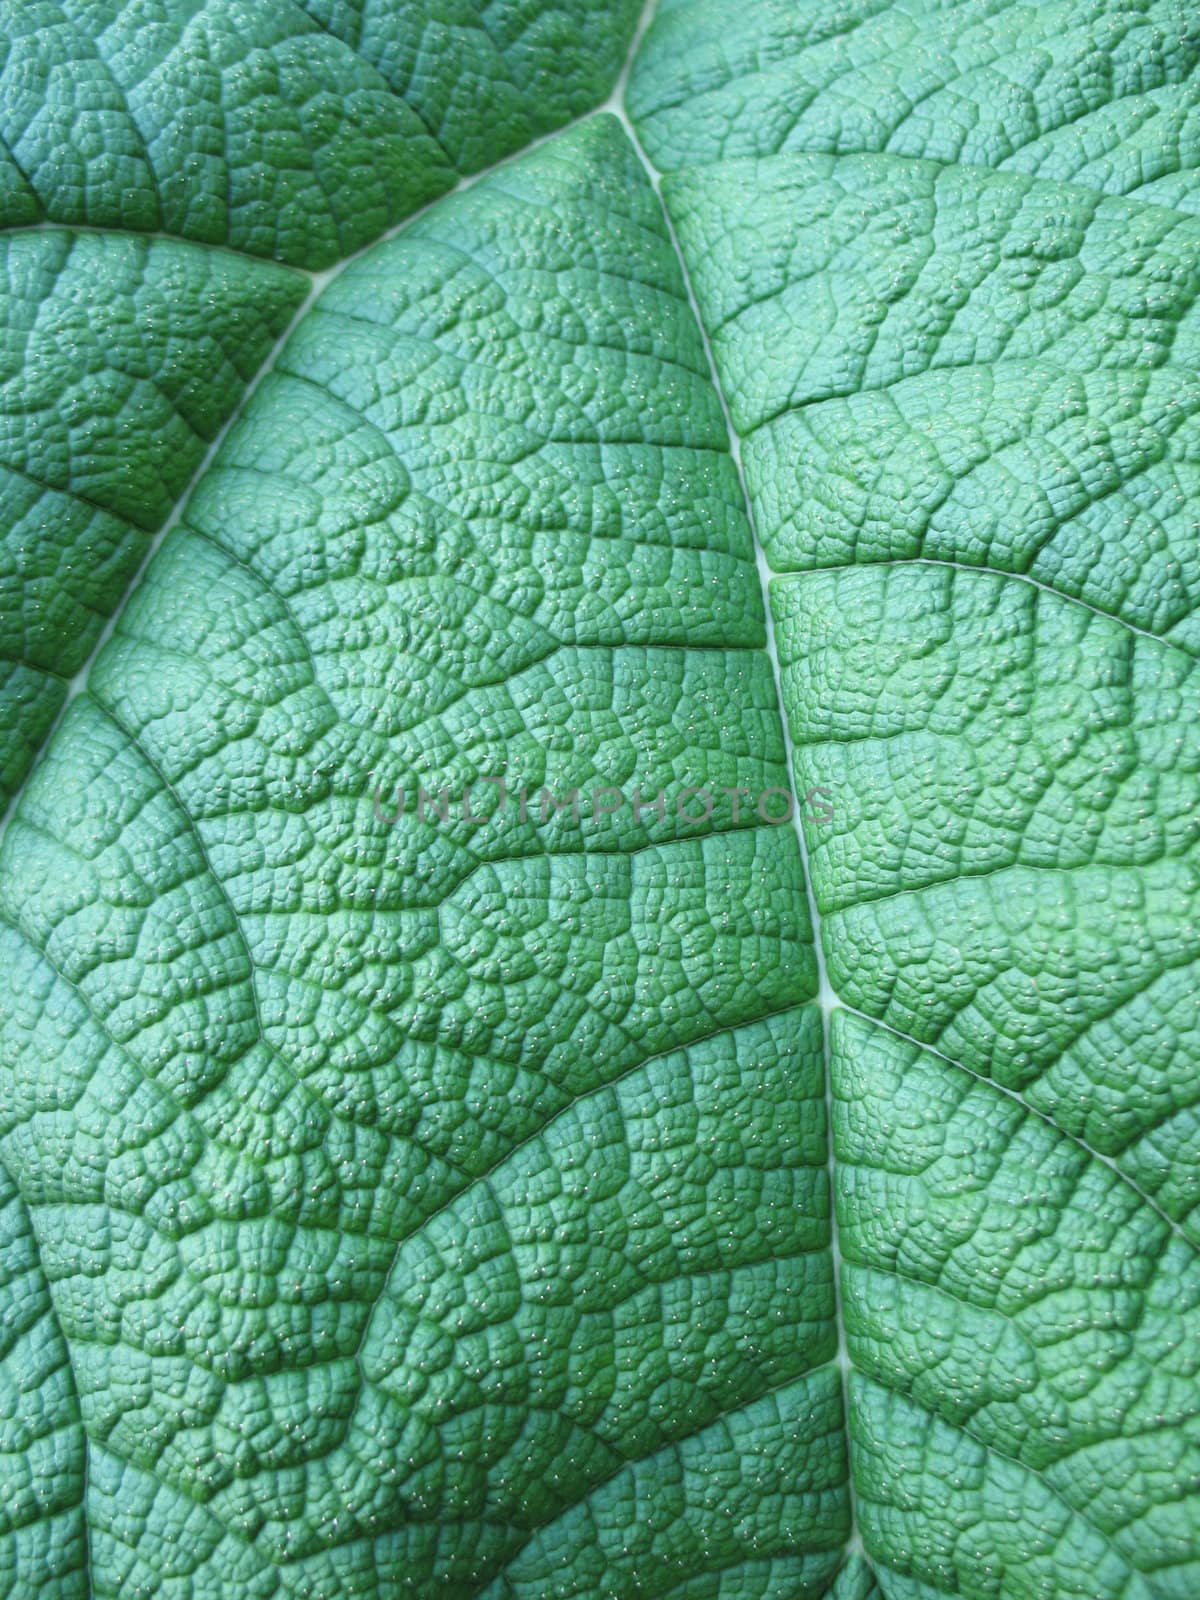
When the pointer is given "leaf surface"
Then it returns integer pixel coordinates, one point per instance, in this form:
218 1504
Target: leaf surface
531 1197
962 390
461 1163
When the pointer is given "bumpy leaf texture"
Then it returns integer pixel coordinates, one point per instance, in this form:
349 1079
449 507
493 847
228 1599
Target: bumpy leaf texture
599 1204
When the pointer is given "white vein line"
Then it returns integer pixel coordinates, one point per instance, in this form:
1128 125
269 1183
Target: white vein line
827 999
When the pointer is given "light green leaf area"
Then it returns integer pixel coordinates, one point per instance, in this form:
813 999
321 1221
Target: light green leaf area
417 1199
120 359
43 1541
541 1202
256 128
1102 93
294 129
966 405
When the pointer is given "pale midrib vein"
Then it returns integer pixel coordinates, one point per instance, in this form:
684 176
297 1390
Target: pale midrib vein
826 997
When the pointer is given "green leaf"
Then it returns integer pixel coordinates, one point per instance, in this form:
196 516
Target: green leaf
253 127
965 401
121 359
43 1543
298 129
1091 92
532 1196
